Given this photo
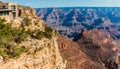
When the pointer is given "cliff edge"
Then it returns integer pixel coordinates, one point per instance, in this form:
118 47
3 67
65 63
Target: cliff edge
27 42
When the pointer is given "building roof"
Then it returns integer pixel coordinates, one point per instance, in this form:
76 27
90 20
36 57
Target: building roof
5 10
3 4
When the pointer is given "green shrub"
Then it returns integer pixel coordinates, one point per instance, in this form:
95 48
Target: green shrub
26 22
36 23
2 21
41 48
8 35
3 54
21 36
56 32
17 51
8 51
48 32
48 35
48 29
40 34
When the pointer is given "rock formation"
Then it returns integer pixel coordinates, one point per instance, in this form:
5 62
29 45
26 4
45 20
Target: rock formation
31 44
90 50
71 20
76 59
42 52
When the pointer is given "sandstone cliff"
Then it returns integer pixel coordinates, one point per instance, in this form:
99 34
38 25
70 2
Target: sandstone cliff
33 35
89 50
76 59
43 54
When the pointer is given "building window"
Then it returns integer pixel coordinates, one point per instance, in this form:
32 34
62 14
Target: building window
4 13
19 13
12 7
13 14
3 7
0 13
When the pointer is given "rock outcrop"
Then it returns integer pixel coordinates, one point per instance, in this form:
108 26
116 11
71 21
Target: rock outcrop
41 53
89 50
70 20
97 45
76 59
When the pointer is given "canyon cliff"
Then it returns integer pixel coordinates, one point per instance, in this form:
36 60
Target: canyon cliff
29 43
89 50
69 21
26 42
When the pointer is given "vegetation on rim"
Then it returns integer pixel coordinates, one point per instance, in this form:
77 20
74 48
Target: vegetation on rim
10 37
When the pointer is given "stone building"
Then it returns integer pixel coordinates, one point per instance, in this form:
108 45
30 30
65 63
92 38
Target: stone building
8 10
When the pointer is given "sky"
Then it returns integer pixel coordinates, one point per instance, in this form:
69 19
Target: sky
66 3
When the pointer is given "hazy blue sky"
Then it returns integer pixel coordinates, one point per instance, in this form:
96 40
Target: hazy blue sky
66 3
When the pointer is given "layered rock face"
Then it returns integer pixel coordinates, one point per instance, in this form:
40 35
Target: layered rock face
76 59
70 21
89 50
97 45
43 54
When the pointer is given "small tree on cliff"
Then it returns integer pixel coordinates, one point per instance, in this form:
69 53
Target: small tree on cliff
26 22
